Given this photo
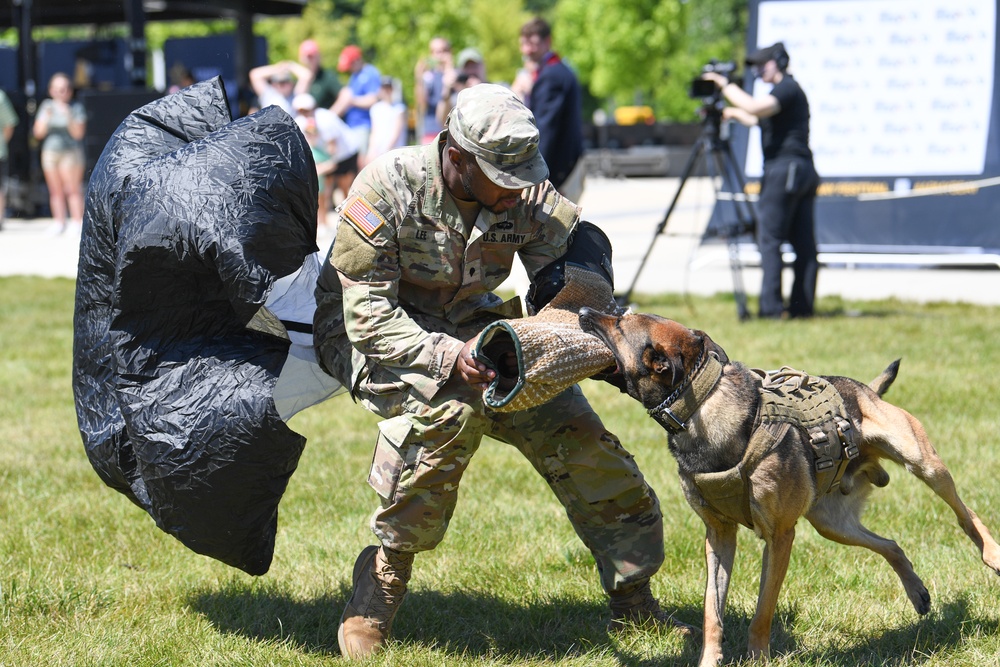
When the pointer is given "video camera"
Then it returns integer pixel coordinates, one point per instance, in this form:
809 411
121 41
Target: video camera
706 90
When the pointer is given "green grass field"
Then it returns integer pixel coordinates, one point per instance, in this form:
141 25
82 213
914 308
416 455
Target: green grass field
87 579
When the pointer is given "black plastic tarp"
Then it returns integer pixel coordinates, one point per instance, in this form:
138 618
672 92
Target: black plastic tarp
190 219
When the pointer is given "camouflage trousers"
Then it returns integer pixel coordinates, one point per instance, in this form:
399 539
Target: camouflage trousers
424 447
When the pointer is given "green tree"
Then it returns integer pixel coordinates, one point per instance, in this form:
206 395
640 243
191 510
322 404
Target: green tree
646 51
332 24
625 51
396 33
716 30
497 30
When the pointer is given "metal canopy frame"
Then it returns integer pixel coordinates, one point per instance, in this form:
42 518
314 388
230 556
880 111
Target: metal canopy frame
26 14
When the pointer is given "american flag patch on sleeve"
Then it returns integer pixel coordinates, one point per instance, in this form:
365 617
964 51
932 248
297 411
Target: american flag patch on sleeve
363 215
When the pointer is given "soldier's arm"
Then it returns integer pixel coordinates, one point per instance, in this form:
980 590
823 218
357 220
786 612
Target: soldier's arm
366 257
554 219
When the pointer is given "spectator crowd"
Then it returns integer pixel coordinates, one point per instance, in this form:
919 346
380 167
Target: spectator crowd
350 113
352 118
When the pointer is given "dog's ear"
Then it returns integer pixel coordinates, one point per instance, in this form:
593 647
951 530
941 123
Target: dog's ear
661 364
666 361
711 346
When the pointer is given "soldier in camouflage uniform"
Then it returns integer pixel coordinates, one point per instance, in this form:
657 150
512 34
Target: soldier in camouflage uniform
426 234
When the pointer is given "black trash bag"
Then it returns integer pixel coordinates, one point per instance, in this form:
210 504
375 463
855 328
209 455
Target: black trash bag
190 219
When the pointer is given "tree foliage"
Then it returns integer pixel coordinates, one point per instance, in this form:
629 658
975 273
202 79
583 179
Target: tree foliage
395 33
625 51
331 23
619 48
647 51
158 32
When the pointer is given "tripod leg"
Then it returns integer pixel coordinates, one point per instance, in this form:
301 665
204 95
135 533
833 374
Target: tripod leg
746 213
748 222
739 292
699 147
724 165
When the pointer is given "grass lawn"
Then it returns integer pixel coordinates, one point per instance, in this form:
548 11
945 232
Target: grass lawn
87 579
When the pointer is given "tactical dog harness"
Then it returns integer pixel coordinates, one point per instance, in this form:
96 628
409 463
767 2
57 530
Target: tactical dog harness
789 398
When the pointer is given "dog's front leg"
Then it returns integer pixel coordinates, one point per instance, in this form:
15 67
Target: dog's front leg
777 551
720 552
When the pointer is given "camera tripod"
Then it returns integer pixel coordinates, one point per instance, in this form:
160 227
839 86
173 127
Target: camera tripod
729 185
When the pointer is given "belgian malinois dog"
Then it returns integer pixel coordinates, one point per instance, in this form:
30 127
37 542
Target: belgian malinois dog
714 408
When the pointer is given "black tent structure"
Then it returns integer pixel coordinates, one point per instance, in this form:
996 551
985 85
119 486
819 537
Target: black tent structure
107 108
27 14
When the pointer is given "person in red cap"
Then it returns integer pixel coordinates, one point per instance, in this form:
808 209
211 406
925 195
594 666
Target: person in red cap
360 93
325 84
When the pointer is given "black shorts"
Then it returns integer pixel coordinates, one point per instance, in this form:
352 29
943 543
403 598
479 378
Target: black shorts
347 166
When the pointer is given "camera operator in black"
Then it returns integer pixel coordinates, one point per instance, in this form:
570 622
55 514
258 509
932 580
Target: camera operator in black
787 203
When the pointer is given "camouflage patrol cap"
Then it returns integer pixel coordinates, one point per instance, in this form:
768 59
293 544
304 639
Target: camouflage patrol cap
491 123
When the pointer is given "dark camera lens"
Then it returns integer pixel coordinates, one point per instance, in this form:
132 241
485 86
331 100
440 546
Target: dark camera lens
701 88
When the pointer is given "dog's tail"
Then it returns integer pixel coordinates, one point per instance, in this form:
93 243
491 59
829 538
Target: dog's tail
882 383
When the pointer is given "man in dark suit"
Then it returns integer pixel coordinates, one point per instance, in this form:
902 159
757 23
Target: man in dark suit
555 100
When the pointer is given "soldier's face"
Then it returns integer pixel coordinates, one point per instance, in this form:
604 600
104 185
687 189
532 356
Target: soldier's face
485 192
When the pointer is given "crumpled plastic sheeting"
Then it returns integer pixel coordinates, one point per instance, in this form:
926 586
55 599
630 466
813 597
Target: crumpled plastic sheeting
190 219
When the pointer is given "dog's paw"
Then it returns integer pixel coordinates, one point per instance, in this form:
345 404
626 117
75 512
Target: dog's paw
921 600
685 629
991 556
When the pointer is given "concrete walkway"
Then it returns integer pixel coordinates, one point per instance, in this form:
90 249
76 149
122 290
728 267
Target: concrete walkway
628 210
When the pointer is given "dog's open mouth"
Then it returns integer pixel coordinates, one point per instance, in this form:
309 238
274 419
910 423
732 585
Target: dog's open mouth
588 326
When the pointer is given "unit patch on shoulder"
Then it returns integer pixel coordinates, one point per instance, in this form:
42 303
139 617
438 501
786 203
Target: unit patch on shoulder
363 215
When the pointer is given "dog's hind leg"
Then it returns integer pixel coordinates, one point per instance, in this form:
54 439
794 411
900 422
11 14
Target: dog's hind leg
720 552
901 436
837 517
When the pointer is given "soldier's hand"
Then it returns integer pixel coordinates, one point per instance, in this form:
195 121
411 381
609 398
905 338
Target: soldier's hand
474 372
508 364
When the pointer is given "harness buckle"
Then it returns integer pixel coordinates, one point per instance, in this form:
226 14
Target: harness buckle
824 463
851 450
820 442
667 418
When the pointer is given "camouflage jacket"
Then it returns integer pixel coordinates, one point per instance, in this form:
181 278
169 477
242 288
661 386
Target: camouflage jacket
405 283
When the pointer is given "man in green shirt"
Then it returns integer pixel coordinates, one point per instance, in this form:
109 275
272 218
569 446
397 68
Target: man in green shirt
325 83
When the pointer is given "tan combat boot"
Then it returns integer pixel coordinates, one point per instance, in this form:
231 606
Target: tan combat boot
635 606
380 577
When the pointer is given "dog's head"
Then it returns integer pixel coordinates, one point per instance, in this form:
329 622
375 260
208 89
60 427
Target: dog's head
654 354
